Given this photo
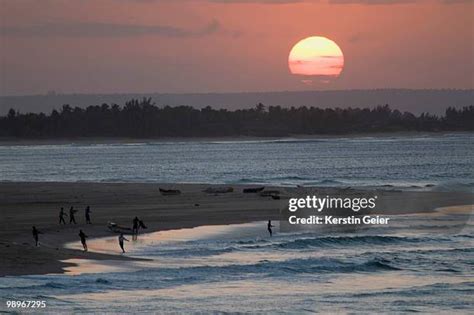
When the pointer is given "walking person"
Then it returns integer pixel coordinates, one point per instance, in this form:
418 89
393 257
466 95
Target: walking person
88 215
121 239
61 216
269 227
83 237
72 219
36 235
135 226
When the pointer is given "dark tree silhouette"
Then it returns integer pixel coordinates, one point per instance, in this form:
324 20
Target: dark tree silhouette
143 119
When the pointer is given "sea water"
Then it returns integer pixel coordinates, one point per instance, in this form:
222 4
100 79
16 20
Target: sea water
419 263
445 160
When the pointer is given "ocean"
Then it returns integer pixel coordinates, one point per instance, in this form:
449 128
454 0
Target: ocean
416 264
445 160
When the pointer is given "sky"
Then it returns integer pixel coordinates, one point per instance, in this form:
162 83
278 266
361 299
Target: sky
176 46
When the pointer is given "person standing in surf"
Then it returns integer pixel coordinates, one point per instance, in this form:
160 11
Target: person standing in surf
122 238
269 227
135 226
83 237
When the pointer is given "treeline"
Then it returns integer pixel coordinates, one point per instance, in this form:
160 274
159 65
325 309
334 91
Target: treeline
143 119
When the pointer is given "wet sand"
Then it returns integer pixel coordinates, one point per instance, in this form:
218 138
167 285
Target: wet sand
25 204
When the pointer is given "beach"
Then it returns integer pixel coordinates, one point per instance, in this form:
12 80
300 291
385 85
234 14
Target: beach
37 203
26 204
209 249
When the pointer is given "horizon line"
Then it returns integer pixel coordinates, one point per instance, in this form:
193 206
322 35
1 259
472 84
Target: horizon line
53 93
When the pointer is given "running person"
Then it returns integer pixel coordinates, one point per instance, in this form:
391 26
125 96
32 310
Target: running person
83 237
121 239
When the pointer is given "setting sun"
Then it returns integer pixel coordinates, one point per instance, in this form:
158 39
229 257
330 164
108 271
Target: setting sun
316 56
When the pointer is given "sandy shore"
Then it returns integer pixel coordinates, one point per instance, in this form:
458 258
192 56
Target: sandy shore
25 204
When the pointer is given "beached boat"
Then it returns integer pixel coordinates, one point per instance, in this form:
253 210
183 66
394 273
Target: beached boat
253 190
218 190
170 192
270 193
114 227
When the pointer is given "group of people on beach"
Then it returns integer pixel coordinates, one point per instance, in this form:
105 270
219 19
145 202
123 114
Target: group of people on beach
83 238
72 218
136 225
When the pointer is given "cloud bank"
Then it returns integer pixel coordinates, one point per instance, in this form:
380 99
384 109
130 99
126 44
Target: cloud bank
98 29
368 2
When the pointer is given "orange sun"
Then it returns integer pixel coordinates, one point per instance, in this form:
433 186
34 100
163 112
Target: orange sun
316 57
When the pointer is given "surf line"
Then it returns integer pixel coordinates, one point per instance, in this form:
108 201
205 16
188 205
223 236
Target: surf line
332 220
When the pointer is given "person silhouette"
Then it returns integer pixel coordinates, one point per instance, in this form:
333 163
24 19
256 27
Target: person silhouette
135 226
61 216
83 237
122 238
72 219
36 235
88 215
269 227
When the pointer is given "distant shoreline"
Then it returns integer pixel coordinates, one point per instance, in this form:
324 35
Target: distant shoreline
111 140
428 100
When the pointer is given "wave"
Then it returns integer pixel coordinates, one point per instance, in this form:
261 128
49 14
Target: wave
265 268
315 265
430 290
195 251
422 183
464 236
170 277
61 283
455 185
301 243
291 179
352 139
275 178
274 141
336 241
37 287
102 281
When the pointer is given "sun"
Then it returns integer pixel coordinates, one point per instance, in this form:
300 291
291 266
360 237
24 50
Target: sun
316 57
